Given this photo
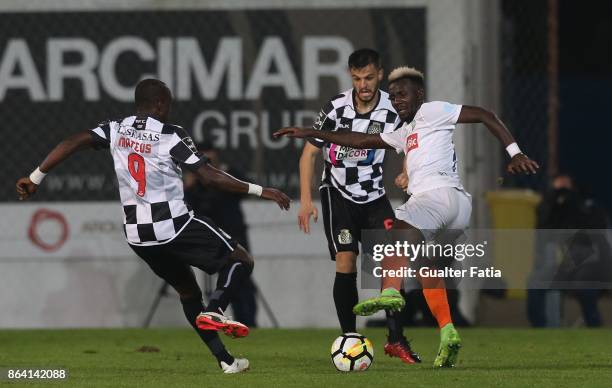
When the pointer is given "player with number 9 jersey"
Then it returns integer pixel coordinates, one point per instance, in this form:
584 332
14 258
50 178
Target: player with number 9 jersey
147 154
161 229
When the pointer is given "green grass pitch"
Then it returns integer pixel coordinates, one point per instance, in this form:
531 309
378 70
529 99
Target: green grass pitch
300 358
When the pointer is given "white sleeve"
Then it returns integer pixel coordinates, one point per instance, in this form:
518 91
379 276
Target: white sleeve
440 114
396 139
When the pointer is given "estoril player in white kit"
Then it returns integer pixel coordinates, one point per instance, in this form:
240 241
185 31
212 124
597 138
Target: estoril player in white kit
352 194
438 201
160 227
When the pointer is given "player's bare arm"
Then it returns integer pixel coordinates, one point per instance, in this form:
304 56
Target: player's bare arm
27 186
349 139
212 176
520 162
307 208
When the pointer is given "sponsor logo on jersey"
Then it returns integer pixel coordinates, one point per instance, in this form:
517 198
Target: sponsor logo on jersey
345 237
338 153
412 142
374 128
138 134
140 124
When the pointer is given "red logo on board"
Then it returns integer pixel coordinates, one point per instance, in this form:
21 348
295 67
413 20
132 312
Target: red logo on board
412 142
45 215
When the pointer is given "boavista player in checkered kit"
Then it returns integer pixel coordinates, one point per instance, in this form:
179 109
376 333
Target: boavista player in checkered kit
352 194
148 155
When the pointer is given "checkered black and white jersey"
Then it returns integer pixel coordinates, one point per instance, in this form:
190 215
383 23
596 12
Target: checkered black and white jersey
148 156
357 174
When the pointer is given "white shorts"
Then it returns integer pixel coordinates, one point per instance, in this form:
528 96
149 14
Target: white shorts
436 210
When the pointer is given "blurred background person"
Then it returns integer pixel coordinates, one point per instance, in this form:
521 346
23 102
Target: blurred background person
226 210
581 259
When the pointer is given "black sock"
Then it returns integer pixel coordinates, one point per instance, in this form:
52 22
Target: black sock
345 297
231 277
394 324
192 307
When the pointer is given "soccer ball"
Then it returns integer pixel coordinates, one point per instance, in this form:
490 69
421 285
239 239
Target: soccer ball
352 352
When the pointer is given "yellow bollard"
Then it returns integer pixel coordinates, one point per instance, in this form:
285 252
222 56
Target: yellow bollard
513 213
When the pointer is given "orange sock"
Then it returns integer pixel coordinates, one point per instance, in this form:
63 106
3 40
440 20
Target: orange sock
435 295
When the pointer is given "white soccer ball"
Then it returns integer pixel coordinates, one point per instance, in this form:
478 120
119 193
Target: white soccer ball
352 352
